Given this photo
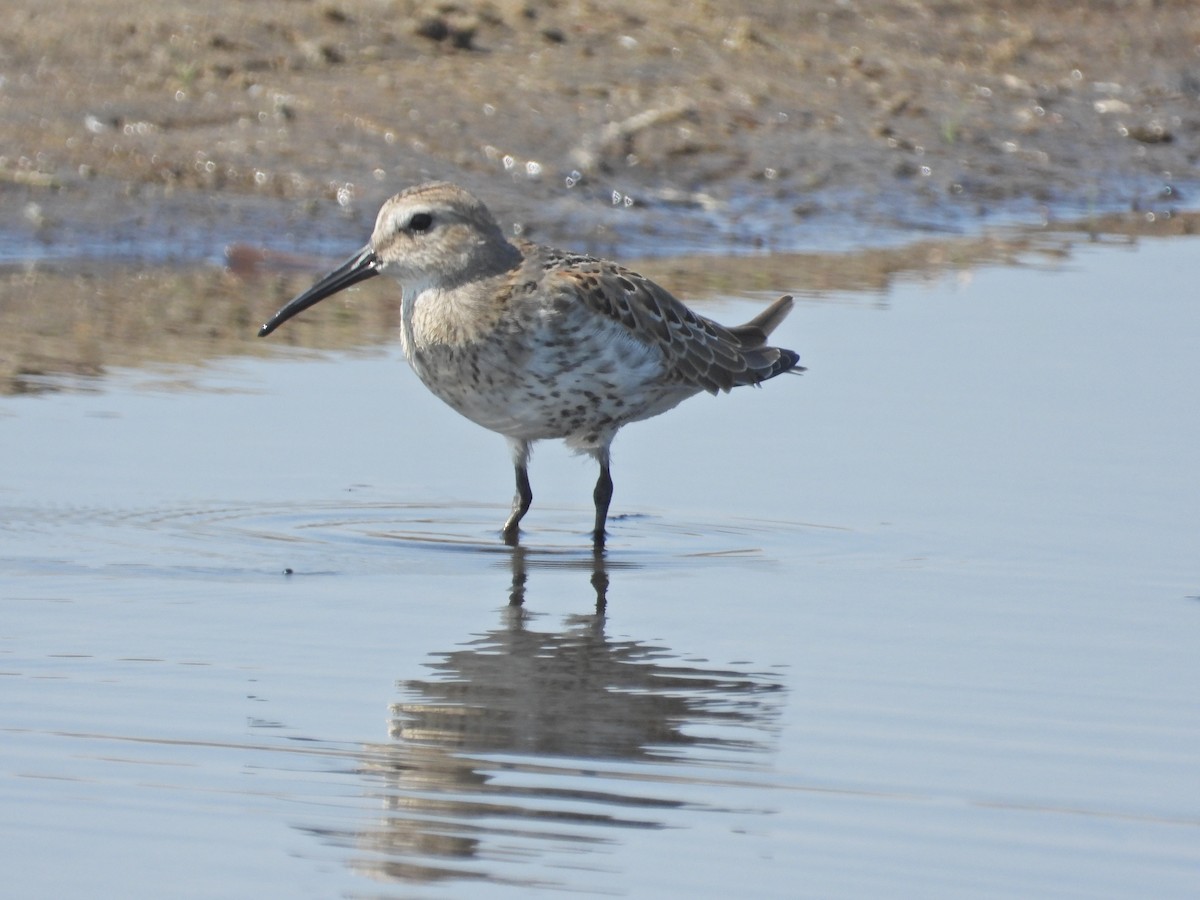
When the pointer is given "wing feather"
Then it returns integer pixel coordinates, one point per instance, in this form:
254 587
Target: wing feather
697 350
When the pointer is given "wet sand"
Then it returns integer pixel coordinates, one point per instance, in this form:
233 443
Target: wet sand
740 129
62 327
138 146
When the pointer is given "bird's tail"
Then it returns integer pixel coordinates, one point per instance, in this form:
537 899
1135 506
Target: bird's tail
765 361
766 321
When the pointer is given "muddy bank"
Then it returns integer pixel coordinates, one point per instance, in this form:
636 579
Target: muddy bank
138 144
648 127
64 327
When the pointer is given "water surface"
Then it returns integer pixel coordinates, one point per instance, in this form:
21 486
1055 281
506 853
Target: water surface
921 622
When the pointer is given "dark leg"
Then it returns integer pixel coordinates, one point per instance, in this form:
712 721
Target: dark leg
602 495
524 496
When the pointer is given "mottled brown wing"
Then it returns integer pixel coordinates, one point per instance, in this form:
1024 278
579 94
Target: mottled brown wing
698 351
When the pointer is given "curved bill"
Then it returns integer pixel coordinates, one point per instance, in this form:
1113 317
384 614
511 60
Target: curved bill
362 265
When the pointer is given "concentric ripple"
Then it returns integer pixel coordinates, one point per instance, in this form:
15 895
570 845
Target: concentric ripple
368 536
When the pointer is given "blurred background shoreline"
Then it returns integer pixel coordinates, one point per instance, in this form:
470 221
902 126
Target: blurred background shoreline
173 172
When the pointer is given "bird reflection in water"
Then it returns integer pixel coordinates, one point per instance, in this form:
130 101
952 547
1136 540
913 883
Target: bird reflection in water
524 745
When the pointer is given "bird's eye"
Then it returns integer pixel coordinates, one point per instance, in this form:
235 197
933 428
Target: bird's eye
420 222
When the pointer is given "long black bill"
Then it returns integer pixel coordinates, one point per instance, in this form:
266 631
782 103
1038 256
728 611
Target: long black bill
362 265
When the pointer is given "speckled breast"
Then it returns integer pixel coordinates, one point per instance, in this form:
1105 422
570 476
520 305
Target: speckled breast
559 375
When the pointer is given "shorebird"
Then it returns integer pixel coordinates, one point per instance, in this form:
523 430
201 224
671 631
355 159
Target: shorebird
536 343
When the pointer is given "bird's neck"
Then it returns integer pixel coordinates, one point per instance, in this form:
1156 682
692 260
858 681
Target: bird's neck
434 315
462 302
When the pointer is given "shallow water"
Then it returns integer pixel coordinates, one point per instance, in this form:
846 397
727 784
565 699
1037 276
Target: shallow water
919 623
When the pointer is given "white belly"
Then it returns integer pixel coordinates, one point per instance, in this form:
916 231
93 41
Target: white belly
575 381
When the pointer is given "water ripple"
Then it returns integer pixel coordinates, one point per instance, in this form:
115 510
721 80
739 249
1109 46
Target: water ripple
227 538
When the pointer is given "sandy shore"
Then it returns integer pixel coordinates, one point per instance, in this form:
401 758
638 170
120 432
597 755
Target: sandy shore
771 126
138 142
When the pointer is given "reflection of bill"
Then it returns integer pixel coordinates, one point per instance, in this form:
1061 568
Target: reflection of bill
590 719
